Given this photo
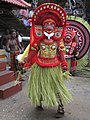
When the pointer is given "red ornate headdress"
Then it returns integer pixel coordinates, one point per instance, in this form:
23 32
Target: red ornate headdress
48 11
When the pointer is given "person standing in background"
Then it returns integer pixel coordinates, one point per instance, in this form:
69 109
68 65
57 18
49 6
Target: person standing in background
4 39
14 48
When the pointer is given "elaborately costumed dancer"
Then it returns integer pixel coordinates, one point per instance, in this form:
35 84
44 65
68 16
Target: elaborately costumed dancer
77 42
70 42
46 58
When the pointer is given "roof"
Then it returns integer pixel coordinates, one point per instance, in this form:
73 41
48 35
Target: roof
20 3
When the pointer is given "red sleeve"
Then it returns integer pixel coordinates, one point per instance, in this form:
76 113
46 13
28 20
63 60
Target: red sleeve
30 56
64 64
61 55
30 59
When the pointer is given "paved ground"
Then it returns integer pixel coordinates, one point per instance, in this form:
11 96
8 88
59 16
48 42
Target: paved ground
18 107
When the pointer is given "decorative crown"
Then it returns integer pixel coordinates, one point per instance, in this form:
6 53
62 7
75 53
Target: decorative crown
49 10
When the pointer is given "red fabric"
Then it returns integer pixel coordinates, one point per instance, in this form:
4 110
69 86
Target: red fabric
27 65
47 62
13 59
30 20
64 64
32 39
61 55
45 14
73 65
30 63
30 56
29 60
40 14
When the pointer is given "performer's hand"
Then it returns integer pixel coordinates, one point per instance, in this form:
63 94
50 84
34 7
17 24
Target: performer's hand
77 54
66 75
26 66
64 68
15 52
12 52
22 63
21 51
25 60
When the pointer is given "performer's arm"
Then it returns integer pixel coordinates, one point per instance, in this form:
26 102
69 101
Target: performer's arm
61 52
30 56
64 64
8 46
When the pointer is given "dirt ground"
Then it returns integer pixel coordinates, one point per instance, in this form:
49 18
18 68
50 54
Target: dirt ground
18 107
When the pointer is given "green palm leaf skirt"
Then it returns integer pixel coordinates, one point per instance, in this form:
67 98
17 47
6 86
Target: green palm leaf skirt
47 83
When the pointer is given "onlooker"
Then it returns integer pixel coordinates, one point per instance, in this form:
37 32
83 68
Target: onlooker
25 21
79 11
14 48
19 36
13 43
30 16
31 13
4 38
23 12
68 9
24 16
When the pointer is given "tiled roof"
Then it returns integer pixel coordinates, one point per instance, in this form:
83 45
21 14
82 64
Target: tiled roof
20 3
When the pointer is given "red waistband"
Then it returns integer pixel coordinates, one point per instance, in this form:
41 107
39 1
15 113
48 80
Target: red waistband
47 62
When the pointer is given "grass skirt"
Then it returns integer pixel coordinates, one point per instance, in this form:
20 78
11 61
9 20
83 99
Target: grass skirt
47 84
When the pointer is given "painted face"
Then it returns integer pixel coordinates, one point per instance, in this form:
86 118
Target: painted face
49 26
67 39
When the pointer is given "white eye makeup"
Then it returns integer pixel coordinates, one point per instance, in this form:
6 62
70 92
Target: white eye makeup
53 47
38 33
57 34
43 47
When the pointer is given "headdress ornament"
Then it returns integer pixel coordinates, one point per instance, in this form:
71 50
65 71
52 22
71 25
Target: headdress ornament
49 10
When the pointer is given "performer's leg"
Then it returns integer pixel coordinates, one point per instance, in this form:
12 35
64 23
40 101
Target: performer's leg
60 111
39 107
12 61
73 66
60 107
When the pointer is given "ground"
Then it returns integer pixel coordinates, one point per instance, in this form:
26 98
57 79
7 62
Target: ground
19 107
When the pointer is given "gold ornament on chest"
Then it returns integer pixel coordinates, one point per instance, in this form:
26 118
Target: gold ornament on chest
48 50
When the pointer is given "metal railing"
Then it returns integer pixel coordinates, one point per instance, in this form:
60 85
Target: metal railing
25 38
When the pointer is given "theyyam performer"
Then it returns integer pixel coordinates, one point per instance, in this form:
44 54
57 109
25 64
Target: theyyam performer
46 58
70 42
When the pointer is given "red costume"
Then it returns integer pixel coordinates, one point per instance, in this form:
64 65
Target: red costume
71 49
46 55
41 32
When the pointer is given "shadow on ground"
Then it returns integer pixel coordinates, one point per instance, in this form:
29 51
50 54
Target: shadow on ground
85 72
